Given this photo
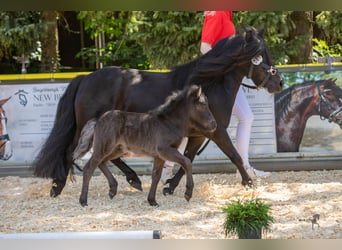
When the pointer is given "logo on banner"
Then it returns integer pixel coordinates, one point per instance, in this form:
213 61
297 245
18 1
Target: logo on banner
22 97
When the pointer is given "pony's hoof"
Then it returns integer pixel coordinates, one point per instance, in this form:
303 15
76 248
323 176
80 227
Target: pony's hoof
54 193
135 183
167 191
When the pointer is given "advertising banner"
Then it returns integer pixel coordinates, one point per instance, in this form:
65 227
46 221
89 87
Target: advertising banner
305 117
30 113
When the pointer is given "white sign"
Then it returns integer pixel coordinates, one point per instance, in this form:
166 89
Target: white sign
30 116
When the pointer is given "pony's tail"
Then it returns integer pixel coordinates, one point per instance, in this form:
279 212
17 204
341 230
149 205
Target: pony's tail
51 160
86 140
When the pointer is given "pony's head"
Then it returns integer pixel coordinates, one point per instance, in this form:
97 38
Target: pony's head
5 143
261 70
244 54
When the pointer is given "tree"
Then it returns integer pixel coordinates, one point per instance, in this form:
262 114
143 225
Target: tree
113 41
49 42
169 38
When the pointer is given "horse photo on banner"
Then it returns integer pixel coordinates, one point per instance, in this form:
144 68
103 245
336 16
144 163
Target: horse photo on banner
309 112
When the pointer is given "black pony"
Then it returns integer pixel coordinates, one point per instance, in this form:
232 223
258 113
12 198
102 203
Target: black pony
219 72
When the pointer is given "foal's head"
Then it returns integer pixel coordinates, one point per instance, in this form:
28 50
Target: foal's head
200 115
5 144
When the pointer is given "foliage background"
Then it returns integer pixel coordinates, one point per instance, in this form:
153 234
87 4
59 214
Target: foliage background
161 39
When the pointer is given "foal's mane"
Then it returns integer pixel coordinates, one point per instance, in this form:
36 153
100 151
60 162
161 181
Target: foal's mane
283 99
224 57
172 102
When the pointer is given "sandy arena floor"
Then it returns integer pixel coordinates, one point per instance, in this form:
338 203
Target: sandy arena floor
26 206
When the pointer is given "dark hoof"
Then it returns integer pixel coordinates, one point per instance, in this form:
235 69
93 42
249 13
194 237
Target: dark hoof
83 203
54 192
111 194
136 183
167 191
153 203
187 197
248 183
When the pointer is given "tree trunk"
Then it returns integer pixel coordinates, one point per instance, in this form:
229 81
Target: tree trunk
302 32
49 42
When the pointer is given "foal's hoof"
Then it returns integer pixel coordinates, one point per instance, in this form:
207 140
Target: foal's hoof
248 183
153 203
83 203
111 194
136 183
167 191
187 197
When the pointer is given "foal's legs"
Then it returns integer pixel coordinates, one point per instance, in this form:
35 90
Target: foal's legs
193 145
113 184
156 174
88 172
172 154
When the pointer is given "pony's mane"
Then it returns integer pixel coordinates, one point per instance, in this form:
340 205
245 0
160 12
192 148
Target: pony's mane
172 101
225 56
283 99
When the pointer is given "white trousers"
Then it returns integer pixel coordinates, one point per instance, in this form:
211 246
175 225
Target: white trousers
245 117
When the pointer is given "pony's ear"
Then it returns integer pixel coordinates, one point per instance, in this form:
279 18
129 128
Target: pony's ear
261 32
249 35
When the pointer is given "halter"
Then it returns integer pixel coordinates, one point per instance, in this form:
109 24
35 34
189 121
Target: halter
271 71
333 113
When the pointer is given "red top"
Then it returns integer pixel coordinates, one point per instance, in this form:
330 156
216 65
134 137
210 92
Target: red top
217 25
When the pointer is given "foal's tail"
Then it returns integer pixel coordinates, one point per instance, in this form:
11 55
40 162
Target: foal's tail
86 140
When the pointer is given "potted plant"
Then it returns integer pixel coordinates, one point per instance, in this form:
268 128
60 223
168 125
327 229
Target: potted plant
247 218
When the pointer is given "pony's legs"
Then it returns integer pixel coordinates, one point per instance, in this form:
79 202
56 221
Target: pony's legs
131 176
113 184
58 184
194 143
223 141
156 174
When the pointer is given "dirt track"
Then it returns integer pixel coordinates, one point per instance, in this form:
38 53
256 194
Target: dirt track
26 206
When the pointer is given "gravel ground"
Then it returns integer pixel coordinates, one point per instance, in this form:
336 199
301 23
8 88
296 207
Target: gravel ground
295 196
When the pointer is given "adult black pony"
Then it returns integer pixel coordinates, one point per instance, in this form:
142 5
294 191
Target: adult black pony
219 72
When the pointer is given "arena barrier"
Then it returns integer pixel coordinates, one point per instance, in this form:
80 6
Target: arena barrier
154 234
